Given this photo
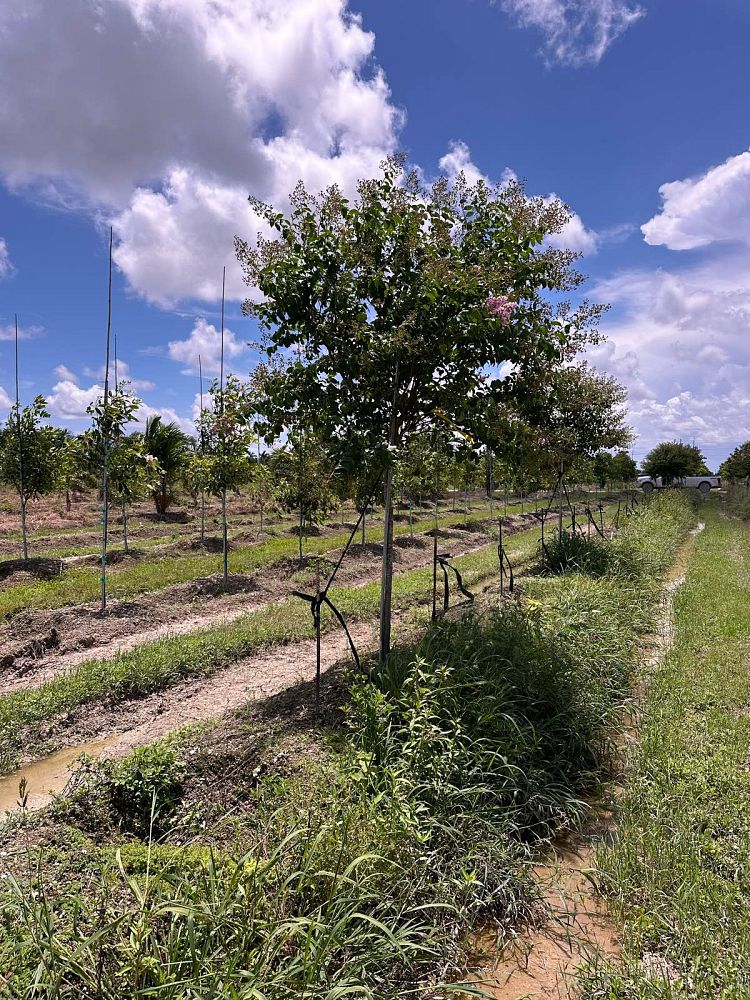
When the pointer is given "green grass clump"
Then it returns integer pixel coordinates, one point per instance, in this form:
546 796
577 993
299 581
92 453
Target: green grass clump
679 874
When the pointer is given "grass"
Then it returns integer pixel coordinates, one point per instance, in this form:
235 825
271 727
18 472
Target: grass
679 875
358 873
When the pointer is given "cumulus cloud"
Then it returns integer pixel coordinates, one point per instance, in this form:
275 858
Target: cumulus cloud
6 264
5 401
707 209
680 342
68 401
575 32
458 161
121 369
8 331
252 97
204 341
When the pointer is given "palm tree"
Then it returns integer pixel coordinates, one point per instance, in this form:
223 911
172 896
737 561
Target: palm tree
170 447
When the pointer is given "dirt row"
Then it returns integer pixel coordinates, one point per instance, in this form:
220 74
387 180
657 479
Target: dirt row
41 644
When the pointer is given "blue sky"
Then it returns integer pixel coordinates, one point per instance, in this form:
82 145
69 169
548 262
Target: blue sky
160 116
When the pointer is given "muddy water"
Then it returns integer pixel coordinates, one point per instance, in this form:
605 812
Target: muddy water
45 776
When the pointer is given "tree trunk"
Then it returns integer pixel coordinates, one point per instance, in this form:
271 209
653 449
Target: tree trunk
224 547
411 522
560 507
301 530
386 586
125 527
24 534
67 500
364 518
203 516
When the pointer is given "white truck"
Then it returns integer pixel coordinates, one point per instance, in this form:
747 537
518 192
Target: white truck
703 483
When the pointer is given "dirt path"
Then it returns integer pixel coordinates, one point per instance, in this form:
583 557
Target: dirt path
576 929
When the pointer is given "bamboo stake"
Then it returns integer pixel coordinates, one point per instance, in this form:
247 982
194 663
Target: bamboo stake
21 491
224 547
105 442
203 450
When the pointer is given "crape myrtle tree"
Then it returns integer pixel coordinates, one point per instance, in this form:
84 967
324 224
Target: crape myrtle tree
392 307
223 461
28 457
672 460
169 446
736 468
624 469
602 468
573 413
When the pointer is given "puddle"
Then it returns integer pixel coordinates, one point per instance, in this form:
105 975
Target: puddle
45 776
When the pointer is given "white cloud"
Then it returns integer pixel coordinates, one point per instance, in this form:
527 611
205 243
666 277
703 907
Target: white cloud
458 161
707 209
68 401
252 96
168 415
574 236
64 374
5 401
8 332
205 341
576 32
6 264
122 369
681 344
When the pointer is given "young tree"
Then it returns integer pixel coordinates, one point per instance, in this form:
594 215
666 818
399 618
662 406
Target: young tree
672 460
603 468
736 467
170 448
397 304
223 463
304 475
624 469
131 474
573 412
28 457
73 470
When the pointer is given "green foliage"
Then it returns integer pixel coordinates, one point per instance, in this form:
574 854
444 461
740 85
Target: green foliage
169 447
225 433
624 469
673 459
74 471
303 478
145 788
31 448
571 552
386 301
737 466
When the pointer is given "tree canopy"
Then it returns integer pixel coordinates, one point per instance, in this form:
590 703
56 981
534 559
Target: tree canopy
673 459
737 466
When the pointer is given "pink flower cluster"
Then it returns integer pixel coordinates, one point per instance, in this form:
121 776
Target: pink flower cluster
502 306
